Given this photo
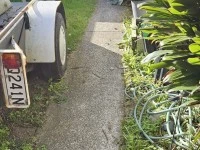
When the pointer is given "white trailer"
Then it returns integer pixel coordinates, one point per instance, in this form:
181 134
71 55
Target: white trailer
30 33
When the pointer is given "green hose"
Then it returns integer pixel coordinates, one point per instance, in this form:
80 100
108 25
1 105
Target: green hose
180 138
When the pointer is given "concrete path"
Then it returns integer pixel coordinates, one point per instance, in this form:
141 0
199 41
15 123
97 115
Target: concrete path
91 117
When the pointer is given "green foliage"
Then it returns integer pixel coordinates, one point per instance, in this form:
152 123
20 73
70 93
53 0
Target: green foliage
133 137
197 137
57 91
138 75
78 13
136 72
4 134
127 39
27 147
30 146
174 24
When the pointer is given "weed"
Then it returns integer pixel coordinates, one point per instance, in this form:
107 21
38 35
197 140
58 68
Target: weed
27 147
134 140
4 134
43 147
57 90
31 146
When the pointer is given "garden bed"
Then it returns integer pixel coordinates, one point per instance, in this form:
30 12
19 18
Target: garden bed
168 116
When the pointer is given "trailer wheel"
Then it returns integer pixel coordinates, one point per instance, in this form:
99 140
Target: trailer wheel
57 69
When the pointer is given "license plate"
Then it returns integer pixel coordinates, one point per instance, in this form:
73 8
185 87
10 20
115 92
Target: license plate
14 81
15 91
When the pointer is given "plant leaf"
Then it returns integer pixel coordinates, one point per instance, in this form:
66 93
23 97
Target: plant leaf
194 61
196 40
155 54
178 54
195 48
155 9
163 64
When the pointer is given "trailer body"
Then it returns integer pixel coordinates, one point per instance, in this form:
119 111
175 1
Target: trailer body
27 37
4 6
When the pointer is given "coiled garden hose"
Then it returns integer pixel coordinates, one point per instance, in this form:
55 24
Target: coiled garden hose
171 108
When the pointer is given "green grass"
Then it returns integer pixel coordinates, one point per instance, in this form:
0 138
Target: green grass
133 137
42 93
78 14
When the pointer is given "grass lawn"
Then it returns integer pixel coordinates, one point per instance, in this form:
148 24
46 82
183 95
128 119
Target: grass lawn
78 13
42 93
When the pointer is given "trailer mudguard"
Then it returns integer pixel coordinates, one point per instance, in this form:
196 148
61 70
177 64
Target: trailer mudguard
40 38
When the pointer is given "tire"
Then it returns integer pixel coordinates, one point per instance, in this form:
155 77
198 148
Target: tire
56 70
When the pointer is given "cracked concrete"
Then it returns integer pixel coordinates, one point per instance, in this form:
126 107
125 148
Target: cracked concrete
91 117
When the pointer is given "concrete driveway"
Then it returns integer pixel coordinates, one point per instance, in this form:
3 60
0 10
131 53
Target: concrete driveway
92 115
